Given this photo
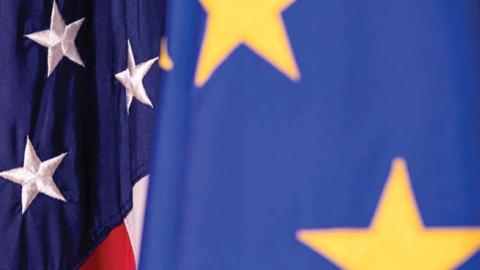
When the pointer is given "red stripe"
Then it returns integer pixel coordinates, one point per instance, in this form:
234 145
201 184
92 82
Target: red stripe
115 252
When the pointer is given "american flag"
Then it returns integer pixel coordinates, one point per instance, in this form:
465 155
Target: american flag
79 84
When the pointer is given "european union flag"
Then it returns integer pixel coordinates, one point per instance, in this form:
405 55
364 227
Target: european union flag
318 134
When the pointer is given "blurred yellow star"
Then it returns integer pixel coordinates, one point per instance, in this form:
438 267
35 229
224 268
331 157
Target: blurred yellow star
257 24
164 59
397 239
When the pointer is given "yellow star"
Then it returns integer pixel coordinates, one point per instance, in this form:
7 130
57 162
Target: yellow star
397 239
257 24
164 60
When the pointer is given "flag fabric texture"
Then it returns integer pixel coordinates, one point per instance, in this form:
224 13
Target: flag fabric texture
318 134
79 81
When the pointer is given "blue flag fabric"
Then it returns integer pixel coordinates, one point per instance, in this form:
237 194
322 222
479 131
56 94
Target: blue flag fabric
257 141
69 150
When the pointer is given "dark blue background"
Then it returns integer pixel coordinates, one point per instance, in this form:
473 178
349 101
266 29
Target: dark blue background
77 110
245 161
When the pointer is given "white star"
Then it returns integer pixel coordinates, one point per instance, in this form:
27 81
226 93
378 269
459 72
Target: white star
35 176
59 39
132 78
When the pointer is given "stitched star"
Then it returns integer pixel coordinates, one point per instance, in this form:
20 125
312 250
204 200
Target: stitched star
258 24
132 79
59 39
35 176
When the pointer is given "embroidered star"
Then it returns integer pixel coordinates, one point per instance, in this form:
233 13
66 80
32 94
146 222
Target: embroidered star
397 238
59 39
35 176
132 79
256 24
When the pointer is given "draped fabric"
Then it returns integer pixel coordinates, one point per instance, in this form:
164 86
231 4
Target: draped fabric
317 134
59 91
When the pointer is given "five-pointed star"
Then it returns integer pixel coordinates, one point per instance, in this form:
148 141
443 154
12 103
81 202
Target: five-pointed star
59 39
35 176
254 23
397 239
132 79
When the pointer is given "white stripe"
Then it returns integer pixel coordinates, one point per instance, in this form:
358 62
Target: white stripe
134 220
